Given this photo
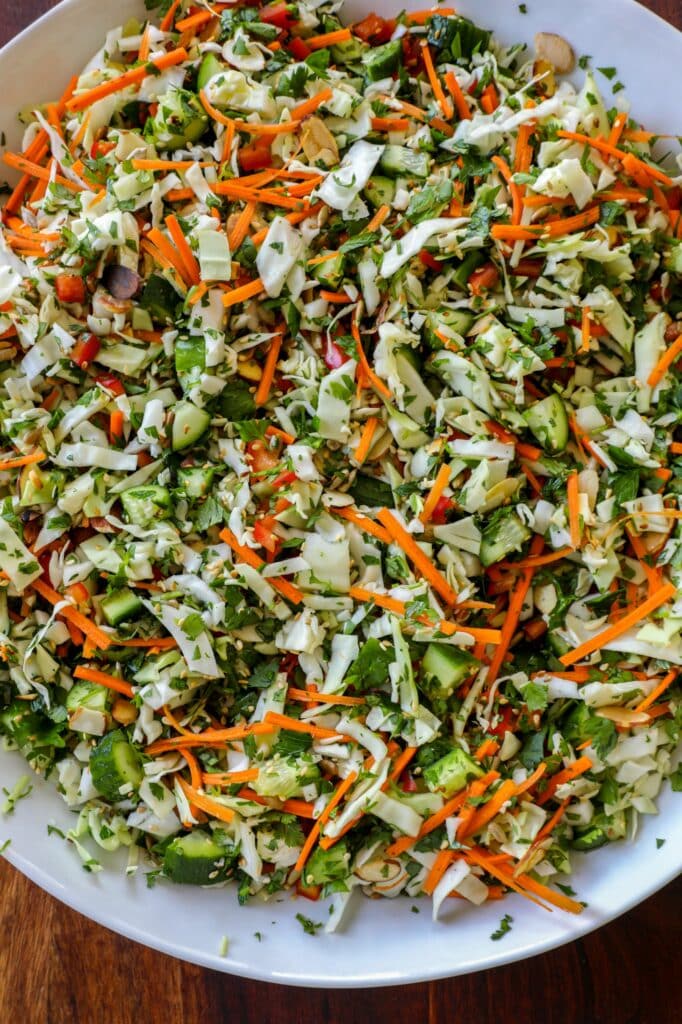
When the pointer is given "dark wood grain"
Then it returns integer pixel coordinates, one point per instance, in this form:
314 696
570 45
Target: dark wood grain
56 967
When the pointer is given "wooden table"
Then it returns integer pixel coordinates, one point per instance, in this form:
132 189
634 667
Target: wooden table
56 967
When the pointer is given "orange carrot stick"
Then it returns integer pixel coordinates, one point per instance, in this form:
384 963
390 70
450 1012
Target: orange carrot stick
93 675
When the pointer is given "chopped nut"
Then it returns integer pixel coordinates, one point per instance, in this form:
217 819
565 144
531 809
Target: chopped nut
123 712
555 50
319 145
623 716
544 72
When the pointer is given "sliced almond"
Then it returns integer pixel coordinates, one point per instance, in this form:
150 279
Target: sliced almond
623 716
319 145
555 50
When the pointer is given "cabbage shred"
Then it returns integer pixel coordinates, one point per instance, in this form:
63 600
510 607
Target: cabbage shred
342 433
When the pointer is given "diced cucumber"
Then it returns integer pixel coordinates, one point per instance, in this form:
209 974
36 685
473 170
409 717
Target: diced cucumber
348 52
380 191
447 667
399 160
39 486
114 763
504 534
190 359
557 643
87 695
208 69
457 320
180 119
236 400
407 433
367 490
450 774
189 423
151 671
455 37
195 859
548 422
160 299
381 61
146 504
471 262
604 828
330 273
119 606
591 839
196 481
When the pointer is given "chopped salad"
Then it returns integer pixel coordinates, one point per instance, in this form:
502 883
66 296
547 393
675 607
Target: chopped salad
340 381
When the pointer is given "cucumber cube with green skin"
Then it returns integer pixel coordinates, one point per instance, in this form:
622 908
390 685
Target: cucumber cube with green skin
602 829
208 69
330 273
160 299
397 161
457 320
195 859
380 191
120 606
471 262
146 504
196 481
327 866
87 695
114 763
447 667
591 839
180 120
451 773
381 61
348 52
39 486
189 423
504 534
548 422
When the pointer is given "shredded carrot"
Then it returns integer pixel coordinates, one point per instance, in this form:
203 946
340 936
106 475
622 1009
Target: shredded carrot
489 810
585 329
514 190
282 434
20 163
415 554
364 522
538 560
619 154
341 35
296 725
579 767
667 681
444 859
194 21
369 374
143 53
292 218
667 359
492 867
241 226
401 762
434 80
532 779
488 748
490 101
421 17
256 128
229 778
170 254
127 79
101 639
617 129
93 675
22 460
192 274
390 124
249 556
557 899
663 594
368 432
523 155
339 298
336 799
550 825
313 697
205 803
116 426
392 604
265 383
553 229
309 106
244 293
166 23
433 497
455 90
210 738
516 602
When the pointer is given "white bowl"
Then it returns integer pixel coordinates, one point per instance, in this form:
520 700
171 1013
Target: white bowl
383 943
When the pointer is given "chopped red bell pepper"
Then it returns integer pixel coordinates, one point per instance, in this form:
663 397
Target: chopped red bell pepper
255 155
298 49
483 279
373 27
263 534
84 351
261 457
506 723
278 15
111 383
430 261
70 288
440 512
100 148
